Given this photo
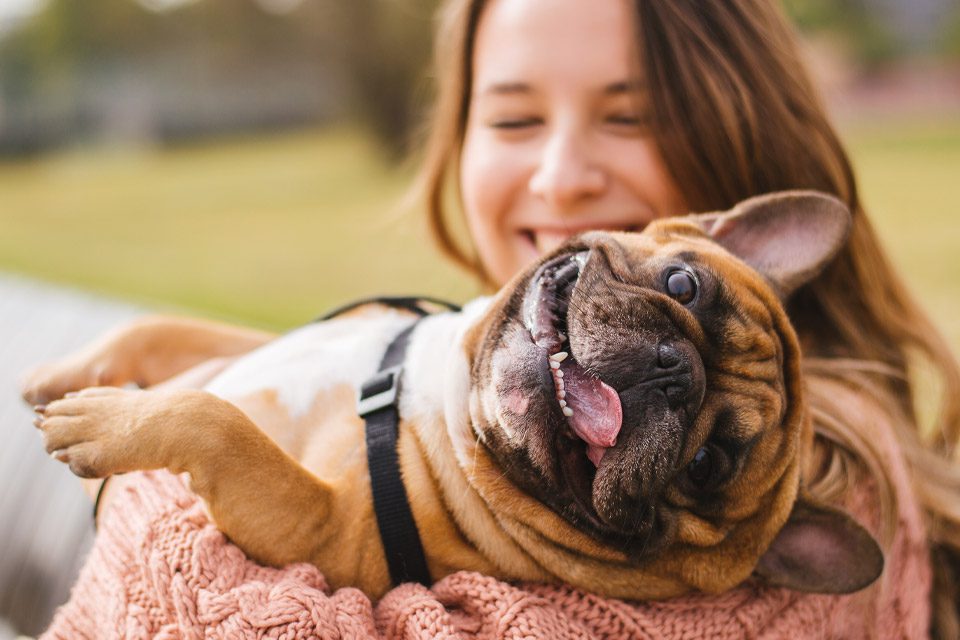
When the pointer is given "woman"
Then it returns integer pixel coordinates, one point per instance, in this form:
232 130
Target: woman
557 116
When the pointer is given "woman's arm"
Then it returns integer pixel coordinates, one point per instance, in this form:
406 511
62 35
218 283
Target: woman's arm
156 542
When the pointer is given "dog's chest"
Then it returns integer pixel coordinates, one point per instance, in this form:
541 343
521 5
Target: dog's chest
301 388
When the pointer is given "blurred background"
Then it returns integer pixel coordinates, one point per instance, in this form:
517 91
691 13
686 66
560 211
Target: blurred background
244 160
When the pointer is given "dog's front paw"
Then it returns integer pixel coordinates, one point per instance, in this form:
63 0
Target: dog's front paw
101 431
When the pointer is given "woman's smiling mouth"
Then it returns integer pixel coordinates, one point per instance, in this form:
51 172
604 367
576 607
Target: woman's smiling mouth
543 240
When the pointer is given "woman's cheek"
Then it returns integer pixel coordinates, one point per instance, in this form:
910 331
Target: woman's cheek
486 173
639 165
492 186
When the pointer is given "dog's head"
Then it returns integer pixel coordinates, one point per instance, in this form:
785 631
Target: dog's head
646 387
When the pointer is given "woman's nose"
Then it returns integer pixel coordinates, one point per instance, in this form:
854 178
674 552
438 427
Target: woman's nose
566 175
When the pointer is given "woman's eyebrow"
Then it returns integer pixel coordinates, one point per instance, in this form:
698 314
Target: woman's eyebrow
506 88
624 86
523 88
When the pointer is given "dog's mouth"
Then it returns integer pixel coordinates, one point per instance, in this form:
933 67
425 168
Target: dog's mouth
591 408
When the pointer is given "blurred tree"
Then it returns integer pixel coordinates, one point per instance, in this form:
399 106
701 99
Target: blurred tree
871 40
949 41
375 50
385 48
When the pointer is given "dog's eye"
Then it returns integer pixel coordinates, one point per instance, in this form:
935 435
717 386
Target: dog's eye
681 286
708 467
701 467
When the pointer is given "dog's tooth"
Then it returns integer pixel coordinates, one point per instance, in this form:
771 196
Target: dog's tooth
567 411
554 364
561 394
559 384
563 403
559 356
559 373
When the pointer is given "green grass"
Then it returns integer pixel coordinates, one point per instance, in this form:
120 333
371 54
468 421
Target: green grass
910 182
271 231
268 231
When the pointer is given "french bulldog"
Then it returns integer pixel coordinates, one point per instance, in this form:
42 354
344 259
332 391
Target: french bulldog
626 416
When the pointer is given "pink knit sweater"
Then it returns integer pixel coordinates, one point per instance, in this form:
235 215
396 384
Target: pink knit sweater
160 569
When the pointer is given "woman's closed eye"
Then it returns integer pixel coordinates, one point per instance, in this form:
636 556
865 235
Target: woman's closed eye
632 122
512 124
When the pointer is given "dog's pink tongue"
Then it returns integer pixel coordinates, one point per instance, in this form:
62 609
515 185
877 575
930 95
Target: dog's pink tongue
597 414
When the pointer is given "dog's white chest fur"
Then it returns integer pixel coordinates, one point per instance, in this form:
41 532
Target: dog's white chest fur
314 358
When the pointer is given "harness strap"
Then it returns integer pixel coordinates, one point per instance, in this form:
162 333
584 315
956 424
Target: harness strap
407 303
378 406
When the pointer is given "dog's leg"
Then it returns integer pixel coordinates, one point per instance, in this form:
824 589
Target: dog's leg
260 497
146 351
197 377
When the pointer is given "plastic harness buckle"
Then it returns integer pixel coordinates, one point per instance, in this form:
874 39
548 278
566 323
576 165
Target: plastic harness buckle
380 391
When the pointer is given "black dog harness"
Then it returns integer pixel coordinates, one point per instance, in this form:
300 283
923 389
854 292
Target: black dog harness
378 406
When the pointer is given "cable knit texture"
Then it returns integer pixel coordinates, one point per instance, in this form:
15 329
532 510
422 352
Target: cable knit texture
161 569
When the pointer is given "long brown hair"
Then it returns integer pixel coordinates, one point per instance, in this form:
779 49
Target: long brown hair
735 115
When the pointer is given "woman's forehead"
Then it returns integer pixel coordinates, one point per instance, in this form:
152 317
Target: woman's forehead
523 44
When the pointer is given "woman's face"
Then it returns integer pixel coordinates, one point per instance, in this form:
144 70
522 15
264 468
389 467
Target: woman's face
556 139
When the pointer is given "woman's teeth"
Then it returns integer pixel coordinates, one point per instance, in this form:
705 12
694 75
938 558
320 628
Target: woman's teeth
547 241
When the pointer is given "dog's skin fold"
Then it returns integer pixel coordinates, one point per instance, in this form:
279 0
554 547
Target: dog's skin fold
672 464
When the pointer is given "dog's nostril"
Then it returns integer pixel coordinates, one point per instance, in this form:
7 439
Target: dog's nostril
668 356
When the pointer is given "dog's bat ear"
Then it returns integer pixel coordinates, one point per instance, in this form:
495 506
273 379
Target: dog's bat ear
788 236
821 550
